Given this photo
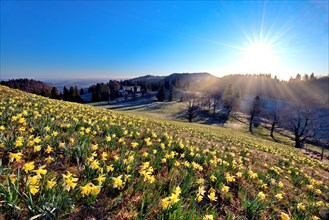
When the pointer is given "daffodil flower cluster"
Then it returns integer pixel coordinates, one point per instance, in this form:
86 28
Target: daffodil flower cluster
168 202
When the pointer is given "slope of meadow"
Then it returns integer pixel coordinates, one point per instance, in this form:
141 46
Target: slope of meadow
61 159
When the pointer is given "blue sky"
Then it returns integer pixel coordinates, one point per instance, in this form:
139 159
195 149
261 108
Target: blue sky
115 39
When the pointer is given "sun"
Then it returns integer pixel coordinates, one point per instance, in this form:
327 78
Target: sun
260 53
259 57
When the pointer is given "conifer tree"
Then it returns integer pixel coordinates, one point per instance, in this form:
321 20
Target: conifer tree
161 93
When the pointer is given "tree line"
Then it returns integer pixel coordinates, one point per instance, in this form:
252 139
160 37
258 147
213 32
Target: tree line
29 85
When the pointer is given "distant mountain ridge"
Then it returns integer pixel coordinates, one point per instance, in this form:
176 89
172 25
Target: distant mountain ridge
193 77
148 78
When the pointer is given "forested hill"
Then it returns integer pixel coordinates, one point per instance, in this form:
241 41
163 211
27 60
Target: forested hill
309 89
29 85
314 91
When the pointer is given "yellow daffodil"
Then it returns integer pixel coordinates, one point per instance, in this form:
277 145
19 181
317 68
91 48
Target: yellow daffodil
117 182
33 180
40 171
69 181
108 138
280 184
49 149
261 195
104 156
19 142
96 190
94 147
318 191
134 144
212 178
49 159
230 178
50 183
165 203
208 217
110 168
200 181
95 165
284 216
173 198
28 166
15 156
200 193
86 189
37 148
100 179
13 178
34 189
37 140
177 190
212 196
225 188
300 206
279 196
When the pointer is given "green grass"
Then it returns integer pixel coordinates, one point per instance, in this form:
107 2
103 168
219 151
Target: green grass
122 165
158 110
170 110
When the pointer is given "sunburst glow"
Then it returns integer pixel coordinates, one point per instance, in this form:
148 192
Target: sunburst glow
260 57
260 53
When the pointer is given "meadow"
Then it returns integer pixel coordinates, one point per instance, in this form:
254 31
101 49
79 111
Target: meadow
66 160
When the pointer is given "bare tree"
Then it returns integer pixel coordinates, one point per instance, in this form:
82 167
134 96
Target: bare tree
320 120
231 101
324 131
274 121
216 100
192 110
208 103
273 117
304 124
228 100
254 112
323 144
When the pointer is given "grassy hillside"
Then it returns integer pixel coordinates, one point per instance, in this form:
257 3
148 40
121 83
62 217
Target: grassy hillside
62 159
176 110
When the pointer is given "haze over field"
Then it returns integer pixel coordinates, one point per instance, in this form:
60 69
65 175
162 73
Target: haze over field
110 39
